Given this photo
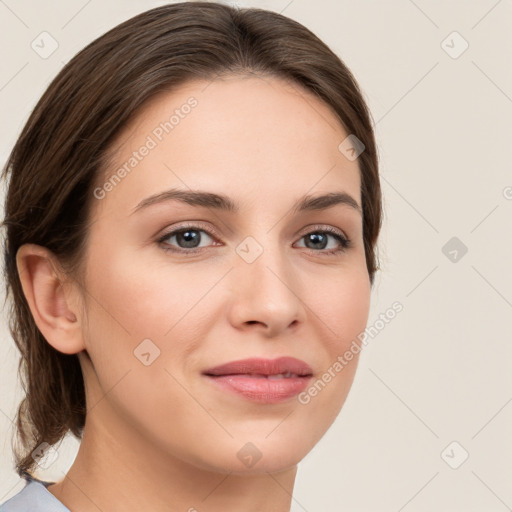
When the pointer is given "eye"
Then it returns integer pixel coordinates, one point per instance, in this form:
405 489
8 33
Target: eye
317 240
188 240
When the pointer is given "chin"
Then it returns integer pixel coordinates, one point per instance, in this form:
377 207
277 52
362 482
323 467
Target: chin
275 463
246 455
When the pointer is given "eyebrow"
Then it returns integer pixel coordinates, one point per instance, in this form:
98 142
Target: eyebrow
222 202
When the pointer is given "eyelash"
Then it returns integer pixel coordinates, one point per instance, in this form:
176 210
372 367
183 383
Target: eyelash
344 242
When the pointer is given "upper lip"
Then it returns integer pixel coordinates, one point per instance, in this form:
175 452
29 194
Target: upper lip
261 366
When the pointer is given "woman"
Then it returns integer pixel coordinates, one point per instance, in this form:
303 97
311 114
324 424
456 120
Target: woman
191 224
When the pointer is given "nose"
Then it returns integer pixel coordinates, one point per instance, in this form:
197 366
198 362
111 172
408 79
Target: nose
266 295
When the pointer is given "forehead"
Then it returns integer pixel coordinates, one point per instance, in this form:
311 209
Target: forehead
251 137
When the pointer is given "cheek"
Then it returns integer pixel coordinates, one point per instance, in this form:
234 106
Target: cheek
140 300
130 301
343 308
138 321
342 304
351 310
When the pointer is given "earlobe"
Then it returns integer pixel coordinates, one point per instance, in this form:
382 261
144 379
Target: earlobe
43 288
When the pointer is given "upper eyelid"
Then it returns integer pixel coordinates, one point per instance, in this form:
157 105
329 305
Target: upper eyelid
192 225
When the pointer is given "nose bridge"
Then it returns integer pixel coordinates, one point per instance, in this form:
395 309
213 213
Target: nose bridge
265 284
264 259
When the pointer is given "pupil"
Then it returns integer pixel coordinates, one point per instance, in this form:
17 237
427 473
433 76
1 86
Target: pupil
315 237
190 237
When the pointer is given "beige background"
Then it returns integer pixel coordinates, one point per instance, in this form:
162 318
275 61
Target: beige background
441 371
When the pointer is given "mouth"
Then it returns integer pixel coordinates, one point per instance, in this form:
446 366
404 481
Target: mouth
262 380
276 376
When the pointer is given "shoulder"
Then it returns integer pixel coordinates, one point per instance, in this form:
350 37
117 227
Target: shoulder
34 497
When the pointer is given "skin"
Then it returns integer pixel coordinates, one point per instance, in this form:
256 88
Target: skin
162 437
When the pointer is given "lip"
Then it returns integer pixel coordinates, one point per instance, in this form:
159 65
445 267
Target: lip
262 366
250 378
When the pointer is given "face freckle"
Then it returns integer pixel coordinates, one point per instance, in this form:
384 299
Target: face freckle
162 318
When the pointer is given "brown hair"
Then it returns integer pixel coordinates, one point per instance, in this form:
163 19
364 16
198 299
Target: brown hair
60 152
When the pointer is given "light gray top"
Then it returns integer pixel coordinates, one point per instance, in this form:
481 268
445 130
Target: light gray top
34 497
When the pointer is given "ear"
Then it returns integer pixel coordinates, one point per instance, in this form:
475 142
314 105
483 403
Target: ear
44 286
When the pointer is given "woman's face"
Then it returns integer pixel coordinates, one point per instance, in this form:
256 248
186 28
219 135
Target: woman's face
261 280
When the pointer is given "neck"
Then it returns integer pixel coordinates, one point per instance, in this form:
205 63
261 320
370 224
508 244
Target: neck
117 468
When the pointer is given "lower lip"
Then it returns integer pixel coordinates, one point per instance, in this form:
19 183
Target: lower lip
262 389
